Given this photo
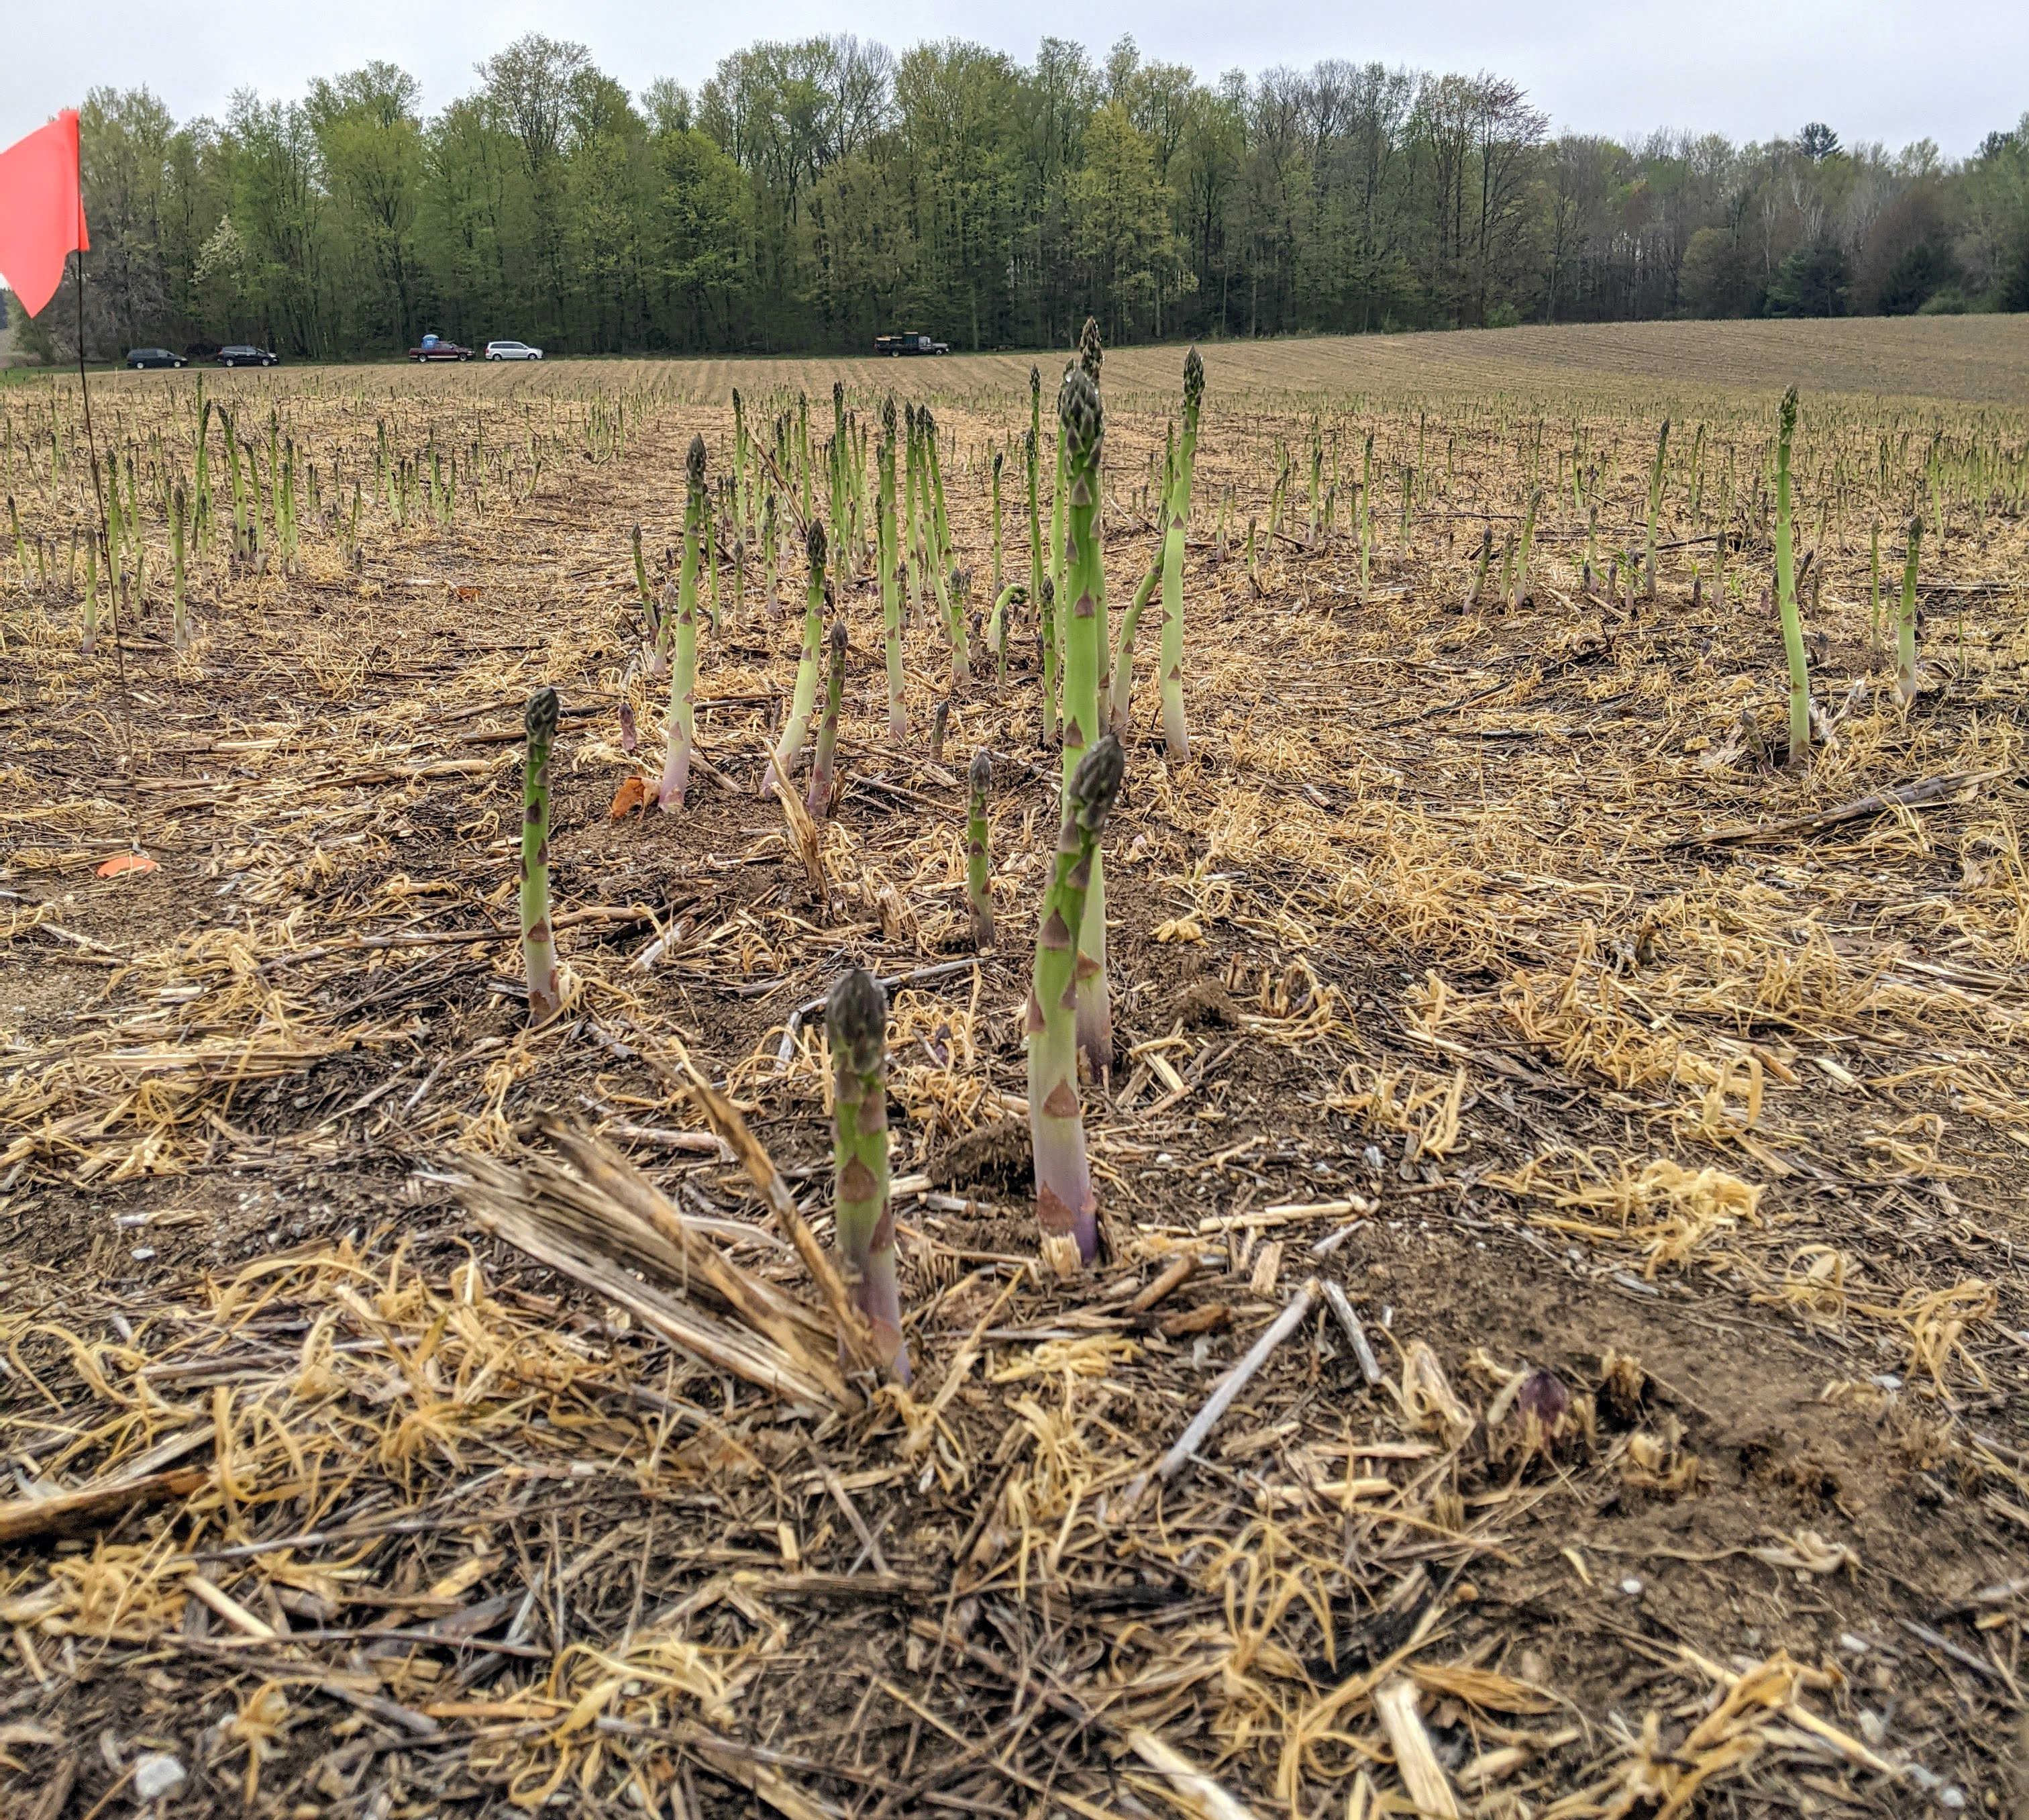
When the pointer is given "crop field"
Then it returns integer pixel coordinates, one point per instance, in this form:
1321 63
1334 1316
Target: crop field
1547 1339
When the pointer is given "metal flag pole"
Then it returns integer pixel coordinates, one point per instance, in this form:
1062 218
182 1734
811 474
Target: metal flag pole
125 719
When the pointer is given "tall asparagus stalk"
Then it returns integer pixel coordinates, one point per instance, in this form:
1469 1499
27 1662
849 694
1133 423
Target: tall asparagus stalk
889 557
683 674
999 460
1905 618
937 540
856 1023
1655 502
822 762
1082 432
1065 1207
1177 511
797 726
1785 589
1039 590
539 946
977 858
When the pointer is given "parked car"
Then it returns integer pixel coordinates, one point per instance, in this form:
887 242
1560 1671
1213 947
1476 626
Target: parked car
137 358
240 354
900 344
512 350
436 347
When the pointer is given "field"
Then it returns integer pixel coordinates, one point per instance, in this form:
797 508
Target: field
1608 1140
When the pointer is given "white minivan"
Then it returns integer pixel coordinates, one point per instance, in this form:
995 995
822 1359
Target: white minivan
512 350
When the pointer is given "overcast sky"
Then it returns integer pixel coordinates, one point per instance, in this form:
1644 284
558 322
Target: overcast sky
1894 70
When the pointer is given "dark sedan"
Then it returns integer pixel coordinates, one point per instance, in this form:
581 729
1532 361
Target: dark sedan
137 358
240 355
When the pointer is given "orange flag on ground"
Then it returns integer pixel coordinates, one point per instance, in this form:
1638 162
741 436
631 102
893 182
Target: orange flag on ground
41 211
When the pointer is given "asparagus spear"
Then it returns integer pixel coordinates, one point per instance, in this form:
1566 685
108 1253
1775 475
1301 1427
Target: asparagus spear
1905 618
179 512
1655 502
1785 589
1065 1205
1177 511
1082 424
889 560
683 675
539 948
819 798
1046 630
804 701
856 1022
978 886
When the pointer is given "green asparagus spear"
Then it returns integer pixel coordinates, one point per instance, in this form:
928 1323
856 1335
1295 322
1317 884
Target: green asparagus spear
538 949
856 1023
1065 1207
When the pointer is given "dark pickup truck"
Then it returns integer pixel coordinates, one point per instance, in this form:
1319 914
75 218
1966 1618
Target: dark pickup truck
900 344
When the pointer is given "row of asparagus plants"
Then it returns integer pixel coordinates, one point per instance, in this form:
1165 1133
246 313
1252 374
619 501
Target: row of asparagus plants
1066 1011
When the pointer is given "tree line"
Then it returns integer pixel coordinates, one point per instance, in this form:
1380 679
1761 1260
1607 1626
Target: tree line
810 195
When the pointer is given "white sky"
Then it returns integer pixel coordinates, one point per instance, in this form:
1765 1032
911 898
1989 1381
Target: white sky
1893 70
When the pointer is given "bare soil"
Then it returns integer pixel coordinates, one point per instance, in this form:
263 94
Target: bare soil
1472 963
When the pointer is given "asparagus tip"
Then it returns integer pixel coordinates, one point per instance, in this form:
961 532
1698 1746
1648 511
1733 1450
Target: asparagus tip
1079 410
856 1014
540 722
1096 783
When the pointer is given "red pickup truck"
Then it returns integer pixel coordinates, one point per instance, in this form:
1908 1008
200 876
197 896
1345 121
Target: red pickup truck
436 347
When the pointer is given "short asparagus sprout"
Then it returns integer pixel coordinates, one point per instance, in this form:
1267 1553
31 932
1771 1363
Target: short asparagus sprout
940 719
856 1023
180 605
1065 1207
825 760
683 674
978 856
804 701
539 947
1009 598
1905 618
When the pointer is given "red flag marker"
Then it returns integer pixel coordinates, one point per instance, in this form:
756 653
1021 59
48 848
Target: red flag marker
41 211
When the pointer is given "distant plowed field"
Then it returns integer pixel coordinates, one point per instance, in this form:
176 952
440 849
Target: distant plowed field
1977 359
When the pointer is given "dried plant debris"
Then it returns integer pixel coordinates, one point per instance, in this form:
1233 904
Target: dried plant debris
1553 1342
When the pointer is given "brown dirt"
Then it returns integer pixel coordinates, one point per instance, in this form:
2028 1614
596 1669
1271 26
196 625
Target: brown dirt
1730 1137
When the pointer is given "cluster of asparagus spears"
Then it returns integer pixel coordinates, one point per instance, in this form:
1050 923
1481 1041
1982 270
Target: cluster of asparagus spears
1067 1013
